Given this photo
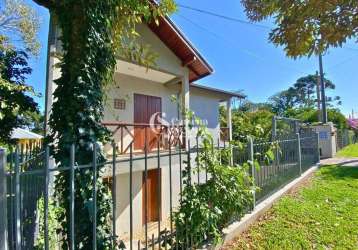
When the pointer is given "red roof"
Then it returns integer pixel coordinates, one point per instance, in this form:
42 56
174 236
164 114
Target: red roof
175 40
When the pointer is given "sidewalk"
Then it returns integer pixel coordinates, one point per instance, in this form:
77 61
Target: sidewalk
342 161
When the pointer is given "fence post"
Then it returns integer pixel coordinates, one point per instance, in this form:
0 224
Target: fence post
72 197
3 201
114 194
299 151
251 150
231 154
94 194
46 198
17 201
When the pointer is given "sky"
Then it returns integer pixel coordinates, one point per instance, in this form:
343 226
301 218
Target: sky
241 55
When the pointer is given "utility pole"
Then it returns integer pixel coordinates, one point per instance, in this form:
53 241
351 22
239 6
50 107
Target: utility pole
323 91
318 97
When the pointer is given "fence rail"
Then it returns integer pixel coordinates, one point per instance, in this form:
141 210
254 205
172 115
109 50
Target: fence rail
156 176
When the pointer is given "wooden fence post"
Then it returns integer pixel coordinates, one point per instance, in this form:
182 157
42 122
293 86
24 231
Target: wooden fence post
3 201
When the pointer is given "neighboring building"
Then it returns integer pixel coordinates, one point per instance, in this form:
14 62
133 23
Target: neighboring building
138 94
26 139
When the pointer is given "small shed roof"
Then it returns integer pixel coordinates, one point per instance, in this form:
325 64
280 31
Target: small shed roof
19 133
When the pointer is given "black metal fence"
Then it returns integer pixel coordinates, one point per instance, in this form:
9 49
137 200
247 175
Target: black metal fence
136 182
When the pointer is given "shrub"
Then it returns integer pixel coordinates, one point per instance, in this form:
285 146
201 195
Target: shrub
206 208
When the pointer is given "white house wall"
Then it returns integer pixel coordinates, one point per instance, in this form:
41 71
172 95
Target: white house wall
206 106
167 60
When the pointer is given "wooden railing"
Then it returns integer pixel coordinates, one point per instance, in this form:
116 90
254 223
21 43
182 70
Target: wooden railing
145 137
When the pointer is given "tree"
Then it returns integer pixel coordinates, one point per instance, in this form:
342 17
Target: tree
305 28
93 34
19 22
302 94
248 106
310 115
353 125
16 98
257 123
283 101
306 91
35 122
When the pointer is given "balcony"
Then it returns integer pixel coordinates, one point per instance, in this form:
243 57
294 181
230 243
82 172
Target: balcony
145 137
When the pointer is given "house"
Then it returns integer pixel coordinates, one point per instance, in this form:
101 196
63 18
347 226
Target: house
139 112
26 139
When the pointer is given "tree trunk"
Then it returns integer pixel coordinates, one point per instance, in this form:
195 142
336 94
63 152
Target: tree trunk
76 117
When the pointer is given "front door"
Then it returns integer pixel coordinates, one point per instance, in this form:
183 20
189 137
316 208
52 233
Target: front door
144 108
151 188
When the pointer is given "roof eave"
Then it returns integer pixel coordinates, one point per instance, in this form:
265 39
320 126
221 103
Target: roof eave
223 92
190 44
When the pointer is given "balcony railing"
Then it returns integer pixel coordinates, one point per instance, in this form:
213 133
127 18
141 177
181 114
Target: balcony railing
146 137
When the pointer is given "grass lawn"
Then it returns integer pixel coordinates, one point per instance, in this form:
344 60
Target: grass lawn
322 215
349 151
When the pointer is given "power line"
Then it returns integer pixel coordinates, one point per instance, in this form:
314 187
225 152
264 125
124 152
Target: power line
342 62
233 19
221 38
233 44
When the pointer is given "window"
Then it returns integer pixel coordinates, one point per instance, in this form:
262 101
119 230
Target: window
119 104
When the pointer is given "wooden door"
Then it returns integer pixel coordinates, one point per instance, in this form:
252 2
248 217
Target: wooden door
151 187
144 108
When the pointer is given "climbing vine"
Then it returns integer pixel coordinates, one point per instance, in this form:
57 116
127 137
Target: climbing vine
206 208
93 34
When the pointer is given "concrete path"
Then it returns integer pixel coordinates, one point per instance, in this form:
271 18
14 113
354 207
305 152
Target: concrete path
342 161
